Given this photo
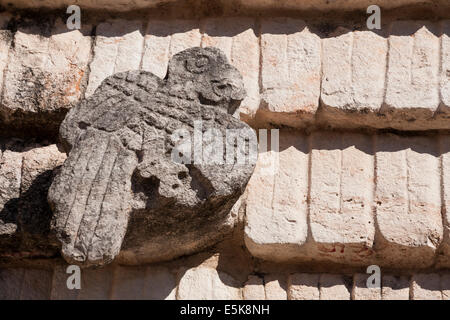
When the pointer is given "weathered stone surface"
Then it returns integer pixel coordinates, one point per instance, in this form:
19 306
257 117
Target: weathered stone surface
276 213
275 286
394 287
160 284
445 286
254 289
340 210
127 137
43 79
444 259
36 284
334 287
118 47
360 291
303 286
444 108
237 38
11 283
408 200
96 284
128 284
412 85
5 43
203 283
290 72
426 286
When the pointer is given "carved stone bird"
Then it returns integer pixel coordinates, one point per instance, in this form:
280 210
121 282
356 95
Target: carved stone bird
120 149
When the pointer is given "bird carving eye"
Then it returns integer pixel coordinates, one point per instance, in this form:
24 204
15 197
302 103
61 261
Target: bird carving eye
198 64
222 88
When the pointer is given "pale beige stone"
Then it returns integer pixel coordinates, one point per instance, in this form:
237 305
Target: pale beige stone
334 287
303 286
360 291
276 214
445 70
60 291
5 43
426 286
275 287
185 34
156 47
290 71
118 47
395 287
160 284
254 289
408 200
36 285
412 83
204 283
444 259
340 210
353 76
237 39
45 72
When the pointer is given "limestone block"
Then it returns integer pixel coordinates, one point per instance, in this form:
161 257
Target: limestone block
340 210
353 77
445 71
395 287
303 286
254 289
5 43
204 283
334 287
96 284
360 291
128 283
156 47
275 286
426 286
237 38
118 47
408 200
412 80
44 76
290 72
444 259
276 212
184 34
159 284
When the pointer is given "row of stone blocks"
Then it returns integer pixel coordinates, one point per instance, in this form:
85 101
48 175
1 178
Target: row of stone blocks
205 283
295 75
353 199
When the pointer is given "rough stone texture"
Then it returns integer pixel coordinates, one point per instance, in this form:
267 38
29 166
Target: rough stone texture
444 107
303 286
276 212
254 289
237 38
408 200
5 43
203 283
394 287
360 291
124 138
118 47
275 286
444 260
426 286
159 284
445 286
290 72
334 287
340 213
43 79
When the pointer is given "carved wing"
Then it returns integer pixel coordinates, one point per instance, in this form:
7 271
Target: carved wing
91 194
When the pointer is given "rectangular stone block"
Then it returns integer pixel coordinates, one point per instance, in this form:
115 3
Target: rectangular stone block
395 288
128 283
361 291
204 283
334 287
118 47
36 285
96 284
426 286
159 284
5 43
303 286
412 80
275 286
185 34
408 200
276 226
45 74
444 107
237 38
444 259
353 77
254 289
290 72
340 210
156 47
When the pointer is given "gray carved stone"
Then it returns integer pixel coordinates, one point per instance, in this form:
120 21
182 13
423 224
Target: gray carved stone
121 169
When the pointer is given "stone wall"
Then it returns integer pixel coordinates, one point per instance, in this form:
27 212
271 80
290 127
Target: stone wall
361 177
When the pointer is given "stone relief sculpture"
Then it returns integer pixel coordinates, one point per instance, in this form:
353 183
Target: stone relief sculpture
124 162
